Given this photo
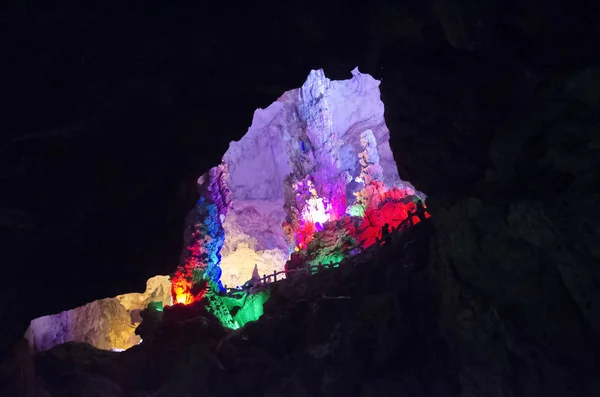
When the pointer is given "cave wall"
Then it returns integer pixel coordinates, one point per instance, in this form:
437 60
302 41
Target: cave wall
237 224
515 257
112 111
107 324
465 84
310 130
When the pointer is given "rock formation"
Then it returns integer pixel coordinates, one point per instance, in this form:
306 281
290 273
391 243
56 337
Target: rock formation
106 324
204 237
302 162
326 146
115 109
340 332
514 256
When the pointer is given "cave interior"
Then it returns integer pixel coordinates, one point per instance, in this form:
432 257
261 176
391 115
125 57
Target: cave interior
135 194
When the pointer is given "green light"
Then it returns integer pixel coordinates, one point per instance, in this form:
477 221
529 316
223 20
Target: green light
252 309
158 306
356 210
237 309
217 306
332 258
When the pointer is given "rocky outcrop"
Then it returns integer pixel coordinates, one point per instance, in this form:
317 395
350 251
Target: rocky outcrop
316 136
105 324
359 330
492 110
517 268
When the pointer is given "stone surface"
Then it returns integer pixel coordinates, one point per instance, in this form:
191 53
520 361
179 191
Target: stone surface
106 324
340 332
313 130
253 237
157 290
114 110
517 269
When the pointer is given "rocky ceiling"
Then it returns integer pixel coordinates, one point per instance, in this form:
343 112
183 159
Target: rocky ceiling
111 111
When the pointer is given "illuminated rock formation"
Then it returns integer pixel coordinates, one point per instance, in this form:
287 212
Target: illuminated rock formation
203 238
314 173
106 324
318 154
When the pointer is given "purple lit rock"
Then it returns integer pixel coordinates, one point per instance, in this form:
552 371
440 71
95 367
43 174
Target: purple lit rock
310 132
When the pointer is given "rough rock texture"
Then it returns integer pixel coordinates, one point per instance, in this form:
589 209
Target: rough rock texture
516 213
341 332
157 290
78 369
106 324
203 239
253 237
492 110
314 131
373 327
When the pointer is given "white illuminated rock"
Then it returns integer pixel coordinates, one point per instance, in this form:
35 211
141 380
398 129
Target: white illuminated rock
297 135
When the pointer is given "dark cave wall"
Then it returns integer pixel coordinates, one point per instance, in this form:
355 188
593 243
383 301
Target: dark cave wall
492 108
502 135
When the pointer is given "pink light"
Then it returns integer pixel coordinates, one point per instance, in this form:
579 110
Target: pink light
316 211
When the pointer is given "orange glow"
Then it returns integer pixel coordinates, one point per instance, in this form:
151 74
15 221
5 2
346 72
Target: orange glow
184 298
181 290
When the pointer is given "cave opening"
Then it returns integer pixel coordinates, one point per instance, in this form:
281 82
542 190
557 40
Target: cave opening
312 182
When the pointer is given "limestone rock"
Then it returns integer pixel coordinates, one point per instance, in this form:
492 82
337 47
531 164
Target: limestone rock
316 131
157 290
106 324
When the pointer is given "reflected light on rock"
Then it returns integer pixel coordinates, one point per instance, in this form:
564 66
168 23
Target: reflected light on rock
106 323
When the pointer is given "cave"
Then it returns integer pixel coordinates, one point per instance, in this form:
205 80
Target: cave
314 165
260 165
120 196
317 155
